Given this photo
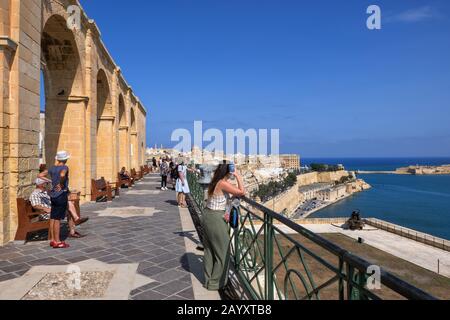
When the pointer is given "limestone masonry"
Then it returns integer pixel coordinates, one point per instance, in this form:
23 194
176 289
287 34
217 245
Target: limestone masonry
91 111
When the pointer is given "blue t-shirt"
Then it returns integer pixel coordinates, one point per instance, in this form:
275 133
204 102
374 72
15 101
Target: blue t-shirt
55 174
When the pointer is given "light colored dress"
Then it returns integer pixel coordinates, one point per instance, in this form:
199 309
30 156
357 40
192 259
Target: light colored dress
179 185
216 259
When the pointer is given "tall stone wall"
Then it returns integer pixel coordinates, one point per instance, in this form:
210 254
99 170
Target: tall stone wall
286 202
322 177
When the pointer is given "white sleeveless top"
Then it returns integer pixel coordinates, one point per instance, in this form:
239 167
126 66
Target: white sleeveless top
218 202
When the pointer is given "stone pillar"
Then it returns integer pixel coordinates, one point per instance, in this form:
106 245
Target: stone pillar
105 148
134 151
91 112
128 106
124 149
115 128
20 23
7 51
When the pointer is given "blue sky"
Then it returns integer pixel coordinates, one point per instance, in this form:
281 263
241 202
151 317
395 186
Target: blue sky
310 68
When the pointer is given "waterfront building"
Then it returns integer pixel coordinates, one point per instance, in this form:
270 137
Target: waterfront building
332 194
290 161
311 192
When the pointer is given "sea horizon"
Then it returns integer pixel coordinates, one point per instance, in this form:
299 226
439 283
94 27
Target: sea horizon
377 163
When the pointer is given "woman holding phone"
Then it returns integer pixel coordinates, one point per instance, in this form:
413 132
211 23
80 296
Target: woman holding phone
215 223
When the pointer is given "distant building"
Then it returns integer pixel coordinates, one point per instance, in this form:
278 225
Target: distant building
311 192
332 194
290 161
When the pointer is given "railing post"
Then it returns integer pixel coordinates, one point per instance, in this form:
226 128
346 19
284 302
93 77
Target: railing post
237 247
341 280
350 275
268 256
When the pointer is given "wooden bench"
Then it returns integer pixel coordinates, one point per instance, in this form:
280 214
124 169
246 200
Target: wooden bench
102 188
147 169
27 214
128 182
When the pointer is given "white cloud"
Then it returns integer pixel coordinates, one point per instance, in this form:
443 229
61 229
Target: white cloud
414 15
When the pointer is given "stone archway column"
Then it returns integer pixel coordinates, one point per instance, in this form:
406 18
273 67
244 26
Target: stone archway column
91 112
20 69
105 148
134 150
124 149
7 51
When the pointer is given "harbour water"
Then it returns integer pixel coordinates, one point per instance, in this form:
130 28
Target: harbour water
418 202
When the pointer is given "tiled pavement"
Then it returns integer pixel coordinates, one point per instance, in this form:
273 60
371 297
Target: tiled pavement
155 242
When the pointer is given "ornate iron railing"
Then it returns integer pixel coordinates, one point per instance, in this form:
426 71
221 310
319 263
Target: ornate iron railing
276 259
196 189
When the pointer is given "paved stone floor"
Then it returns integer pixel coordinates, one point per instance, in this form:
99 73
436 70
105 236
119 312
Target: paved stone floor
152 237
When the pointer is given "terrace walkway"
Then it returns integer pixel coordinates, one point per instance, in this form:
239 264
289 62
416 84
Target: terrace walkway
143 228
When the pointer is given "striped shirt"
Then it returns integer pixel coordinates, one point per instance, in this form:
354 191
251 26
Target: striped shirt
41 198
218 202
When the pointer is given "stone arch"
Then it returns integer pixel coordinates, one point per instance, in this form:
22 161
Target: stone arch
105 128
35 31
64 89
123 134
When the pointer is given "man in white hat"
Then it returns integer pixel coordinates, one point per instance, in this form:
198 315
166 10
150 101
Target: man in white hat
40 199
59 196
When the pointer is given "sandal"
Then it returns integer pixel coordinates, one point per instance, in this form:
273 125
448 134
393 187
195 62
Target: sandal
61 245
81 221
76 235
52 243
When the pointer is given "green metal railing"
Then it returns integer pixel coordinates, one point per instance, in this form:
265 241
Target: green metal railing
196 190
273 263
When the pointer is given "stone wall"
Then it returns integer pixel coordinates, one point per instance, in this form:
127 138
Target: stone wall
286 202
322 177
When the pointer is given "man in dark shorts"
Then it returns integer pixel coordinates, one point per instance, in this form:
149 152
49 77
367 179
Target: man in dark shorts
59 196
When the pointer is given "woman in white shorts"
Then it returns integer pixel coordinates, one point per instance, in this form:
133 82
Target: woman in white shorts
182 186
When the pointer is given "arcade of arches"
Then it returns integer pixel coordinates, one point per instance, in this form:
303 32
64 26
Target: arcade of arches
90 110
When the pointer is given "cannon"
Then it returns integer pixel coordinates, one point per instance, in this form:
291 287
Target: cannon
355 222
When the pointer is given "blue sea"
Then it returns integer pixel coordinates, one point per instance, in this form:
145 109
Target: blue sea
417 202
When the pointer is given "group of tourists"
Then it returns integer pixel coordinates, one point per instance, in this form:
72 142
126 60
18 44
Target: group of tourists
175 173
226 184
53 198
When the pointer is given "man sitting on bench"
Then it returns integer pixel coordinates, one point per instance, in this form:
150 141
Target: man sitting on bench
40 200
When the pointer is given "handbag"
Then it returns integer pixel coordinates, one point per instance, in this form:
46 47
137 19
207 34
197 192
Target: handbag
234 214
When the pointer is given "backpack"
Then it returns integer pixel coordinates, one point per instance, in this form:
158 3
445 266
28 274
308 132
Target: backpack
175 174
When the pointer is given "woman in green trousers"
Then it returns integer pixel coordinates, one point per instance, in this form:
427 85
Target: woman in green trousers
215 223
